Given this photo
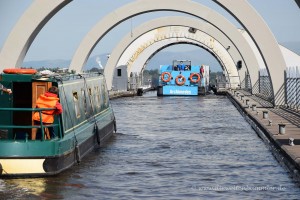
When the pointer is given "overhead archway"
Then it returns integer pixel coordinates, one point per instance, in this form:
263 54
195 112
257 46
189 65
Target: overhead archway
226 62
165 38
139 64
25 31
242 11
239 48
192 8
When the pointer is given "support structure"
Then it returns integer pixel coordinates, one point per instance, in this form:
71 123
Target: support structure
239 49
39 13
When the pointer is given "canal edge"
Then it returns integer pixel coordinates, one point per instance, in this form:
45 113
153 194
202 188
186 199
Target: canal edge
285 158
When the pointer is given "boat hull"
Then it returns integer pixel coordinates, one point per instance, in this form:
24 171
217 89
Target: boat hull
51 165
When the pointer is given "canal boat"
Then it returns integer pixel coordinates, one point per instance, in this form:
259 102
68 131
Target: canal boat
87 121
182 79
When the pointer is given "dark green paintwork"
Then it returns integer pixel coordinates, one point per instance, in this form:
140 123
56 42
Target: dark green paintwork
95 109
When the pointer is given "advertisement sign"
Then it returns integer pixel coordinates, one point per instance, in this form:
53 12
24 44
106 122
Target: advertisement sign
180 90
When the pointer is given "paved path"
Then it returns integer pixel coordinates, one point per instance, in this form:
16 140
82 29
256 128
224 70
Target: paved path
270 125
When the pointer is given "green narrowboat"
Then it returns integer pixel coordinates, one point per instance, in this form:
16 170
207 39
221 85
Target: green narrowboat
86 122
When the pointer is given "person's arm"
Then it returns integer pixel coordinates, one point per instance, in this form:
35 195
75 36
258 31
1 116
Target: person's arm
2 88
59 109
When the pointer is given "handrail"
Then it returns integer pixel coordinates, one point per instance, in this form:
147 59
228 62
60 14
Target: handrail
25 109
32 110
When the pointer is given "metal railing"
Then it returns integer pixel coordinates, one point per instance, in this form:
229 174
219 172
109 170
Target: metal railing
292 87
41 126
226 82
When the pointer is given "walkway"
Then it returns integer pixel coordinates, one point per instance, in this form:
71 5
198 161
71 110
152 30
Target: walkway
270 124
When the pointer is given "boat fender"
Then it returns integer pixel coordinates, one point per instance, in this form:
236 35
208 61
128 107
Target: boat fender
180 80
19 71
96 131
77 154
163 76
194 80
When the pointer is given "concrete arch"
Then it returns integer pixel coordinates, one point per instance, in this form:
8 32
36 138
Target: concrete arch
156 47
150 51
266 42
214 48
25 31
160 45
237 44
165 45
240 11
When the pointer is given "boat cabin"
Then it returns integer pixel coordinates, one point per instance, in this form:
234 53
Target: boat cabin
18 108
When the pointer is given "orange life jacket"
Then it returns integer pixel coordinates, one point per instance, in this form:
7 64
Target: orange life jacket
45 102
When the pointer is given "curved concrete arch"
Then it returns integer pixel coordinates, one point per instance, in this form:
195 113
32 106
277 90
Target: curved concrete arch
141 62
214 48
226 63
266 42
26 29
233 81
237 45
241 11
188 42
155 47
185 6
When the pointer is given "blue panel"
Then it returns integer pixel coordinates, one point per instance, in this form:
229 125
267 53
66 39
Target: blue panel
180 90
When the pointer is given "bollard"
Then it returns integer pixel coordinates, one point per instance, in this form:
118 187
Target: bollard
265 114
242 96
237 94
254 107
281 128
291 142
234 92
270 122
247 101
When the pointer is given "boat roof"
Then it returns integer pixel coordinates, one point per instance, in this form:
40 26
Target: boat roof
47 78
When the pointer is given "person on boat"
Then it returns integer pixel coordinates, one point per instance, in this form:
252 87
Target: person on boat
4 89
181 66
47 100
202 71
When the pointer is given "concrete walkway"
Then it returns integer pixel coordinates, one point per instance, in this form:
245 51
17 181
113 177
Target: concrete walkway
267 119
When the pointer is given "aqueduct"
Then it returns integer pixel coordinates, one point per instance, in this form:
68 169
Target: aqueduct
142 35
39 13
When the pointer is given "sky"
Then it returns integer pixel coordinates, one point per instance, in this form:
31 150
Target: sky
61 36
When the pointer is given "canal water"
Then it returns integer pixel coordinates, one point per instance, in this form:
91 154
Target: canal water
170 148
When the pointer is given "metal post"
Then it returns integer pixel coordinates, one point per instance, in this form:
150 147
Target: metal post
42 127
281 128
265 114
259 82
285 87
254 107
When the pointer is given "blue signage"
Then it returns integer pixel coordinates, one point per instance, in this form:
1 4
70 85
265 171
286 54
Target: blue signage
180 90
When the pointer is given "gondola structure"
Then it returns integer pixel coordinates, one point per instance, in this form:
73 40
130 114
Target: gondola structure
86 123
183 79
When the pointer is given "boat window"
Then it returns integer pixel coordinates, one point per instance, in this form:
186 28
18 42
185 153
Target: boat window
90 96
76 104
84 100
119 72
97 96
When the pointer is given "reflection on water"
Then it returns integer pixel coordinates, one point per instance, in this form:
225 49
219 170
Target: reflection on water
169 148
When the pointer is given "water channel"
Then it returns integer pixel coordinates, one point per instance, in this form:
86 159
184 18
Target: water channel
170 148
